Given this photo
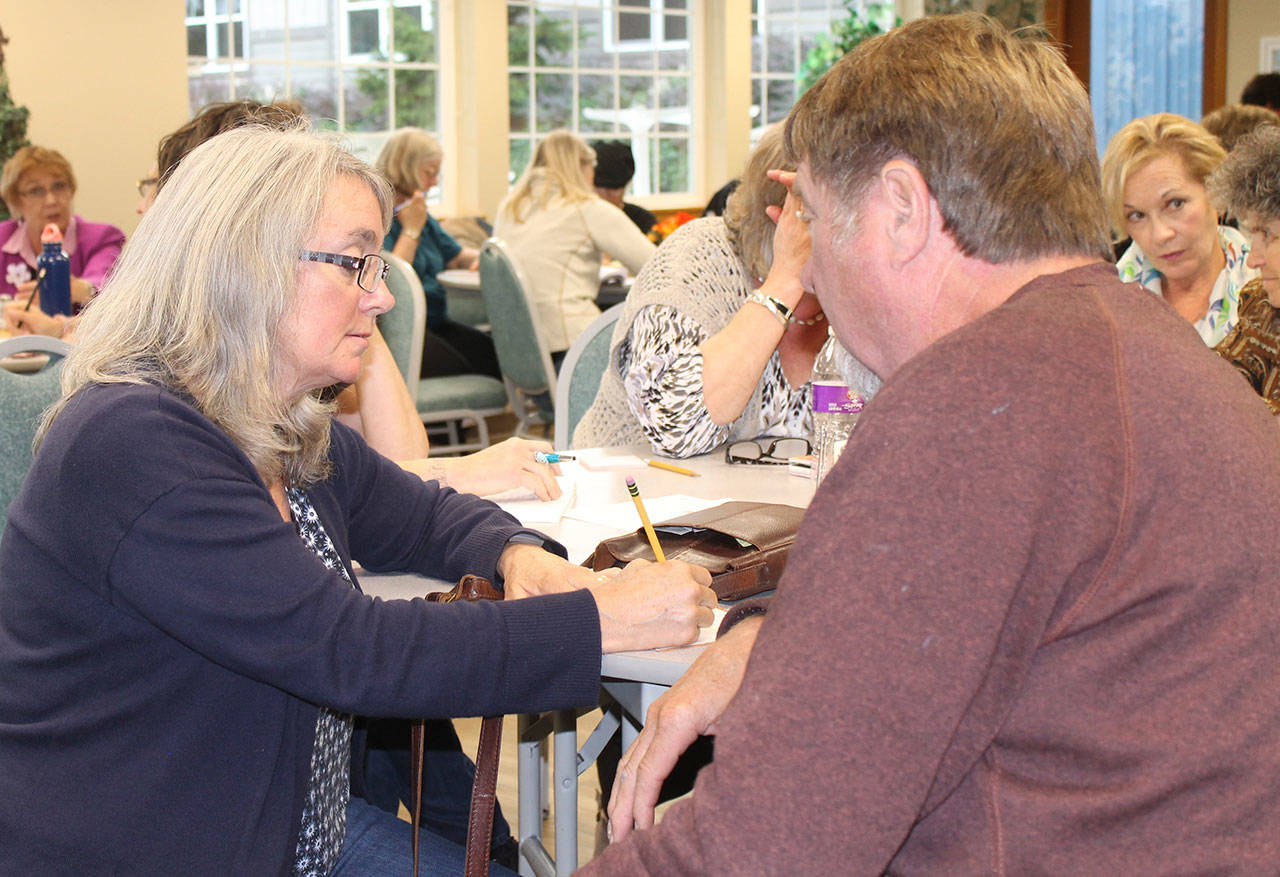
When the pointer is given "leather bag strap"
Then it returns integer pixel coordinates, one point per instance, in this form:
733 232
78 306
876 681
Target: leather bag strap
483 792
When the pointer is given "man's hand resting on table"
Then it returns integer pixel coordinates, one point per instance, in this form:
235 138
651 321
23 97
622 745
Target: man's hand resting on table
691 707
642 606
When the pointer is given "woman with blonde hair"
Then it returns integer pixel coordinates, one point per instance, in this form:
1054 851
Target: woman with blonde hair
1153 182
718 337
558 229
411 160
185 641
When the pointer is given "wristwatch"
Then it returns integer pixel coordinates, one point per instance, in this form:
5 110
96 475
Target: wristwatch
775 307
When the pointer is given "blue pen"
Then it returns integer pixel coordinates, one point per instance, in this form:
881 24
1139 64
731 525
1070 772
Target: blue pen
540 457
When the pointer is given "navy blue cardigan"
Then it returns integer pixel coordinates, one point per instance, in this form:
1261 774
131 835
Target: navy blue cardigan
165 637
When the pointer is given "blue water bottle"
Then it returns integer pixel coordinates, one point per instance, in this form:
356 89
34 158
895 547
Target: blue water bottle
54 272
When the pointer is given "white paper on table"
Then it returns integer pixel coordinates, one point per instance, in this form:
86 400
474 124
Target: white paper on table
622 516
706 635
524 505
597 460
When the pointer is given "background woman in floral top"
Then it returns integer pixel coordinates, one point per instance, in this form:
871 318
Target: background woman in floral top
1248 186
1153 180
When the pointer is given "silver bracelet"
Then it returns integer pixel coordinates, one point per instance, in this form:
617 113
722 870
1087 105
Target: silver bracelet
775 307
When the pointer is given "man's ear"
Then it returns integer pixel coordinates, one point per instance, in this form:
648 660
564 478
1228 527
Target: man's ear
909 209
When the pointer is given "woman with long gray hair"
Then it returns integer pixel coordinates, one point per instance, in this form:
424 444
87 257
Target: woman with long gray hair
184 641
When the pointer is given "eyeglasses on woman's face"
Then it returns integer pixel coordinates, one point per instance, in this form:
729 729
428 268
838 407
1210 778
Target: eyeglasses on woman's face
60 189
370 269
777 452
147 186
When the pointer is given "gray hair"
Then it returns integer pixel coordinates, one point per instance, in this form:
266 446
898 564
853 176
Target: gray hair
1247 184
749 227
197 297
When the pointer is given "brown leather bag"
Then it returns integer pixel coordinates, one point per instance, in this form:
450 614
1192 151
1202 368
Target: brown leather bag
743 544
480 820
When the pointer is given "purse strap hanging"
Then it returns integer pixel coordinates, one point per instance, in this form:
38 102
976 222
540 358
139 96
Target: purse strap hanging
480 818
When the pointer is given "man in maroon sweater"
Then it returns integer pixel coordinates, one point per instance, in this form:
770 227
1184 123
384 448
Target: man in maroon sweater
1032 621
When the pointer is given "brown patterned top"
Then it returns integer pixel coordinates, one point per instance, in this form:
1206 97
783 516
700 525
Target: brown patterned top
1253 345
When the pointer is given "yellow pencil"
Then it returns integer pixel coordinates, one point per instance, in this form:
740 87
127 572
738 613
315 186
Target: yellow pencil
644 519
670 467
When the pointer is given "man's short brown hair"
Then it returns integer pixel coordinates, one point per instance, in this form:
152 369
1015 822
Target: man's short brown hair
997 124
215 118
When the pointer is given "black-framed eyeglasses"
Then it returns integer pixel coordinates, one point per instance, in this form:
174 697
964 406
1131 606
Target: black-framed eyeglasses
370 269
777 452
147 185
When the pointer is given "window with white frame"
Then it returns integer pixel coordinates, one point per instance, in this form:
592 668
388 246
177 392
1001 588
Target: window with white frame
364 67
607 70
783 33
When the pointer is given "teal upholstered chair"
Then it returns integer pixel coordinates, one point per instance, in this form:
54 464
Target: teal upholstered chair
523 358
451 402
23 397
581 372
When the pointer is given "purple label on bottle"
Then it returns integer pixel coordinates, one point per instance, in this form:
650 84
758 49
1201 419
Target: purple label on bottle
835 399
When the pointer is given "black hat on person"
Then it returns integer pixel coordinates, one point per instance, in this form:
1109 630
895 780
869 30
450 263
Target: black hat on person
615 165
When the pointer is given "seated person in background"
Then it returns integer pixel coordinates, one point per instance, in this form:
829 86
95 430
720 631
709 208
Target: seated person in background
615 166
1263 90
178 678
558 229
378 404
410 160
1008 639
1153 174
38 186
1233 121
718 337
1247 185
715 207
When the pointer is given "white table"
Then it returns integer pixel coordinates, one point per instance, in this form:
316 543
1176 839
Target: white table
462 289
633 679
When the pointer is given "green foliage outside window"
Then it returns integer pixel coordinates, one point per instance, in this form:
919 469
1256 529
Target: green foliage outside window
856 26
415 90
13 121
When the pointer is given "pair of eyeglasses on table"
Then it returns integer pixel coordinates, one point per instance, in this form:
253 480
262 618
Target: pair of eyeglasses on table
777 452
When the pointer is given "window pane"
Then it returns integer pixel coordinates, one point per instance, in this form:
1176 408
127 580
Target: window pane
518 36
633 26
635 91
553 38
675 59
316 88
412 42
362 31
675 27
416 99
595 103
195 8
555 100
519 102
520 152
782 94
367 104
782 47
673 98
673 165
197 41
591 51
261 82
203 88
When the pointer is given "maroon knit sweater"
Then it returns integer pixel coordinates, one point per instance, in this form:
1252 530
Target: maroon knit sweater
1031 623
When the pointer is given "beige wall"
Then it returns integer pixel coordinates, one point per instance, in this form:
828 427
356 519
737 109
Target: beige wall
103 81
1248 21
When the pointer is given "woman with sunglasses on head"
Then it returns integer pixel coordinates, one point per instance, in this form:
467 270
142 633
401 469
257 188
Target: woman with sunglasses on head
718 337
39 187
184 640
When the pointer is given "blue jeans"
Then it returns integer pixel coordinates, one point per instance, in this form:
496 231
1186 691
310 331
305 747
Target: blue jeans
447 777
379 845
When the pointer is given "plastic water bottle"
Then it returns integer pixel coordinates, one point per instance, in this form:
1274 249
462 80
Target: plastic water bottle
54 271
835 407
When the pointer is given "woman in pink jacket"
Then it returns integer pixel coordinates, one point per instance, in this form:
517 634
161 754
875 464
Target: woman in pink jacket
38 186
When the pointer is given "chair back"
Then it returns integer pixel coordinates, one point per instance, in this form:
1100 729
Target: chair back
581 373
404 326
522 356
23 398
